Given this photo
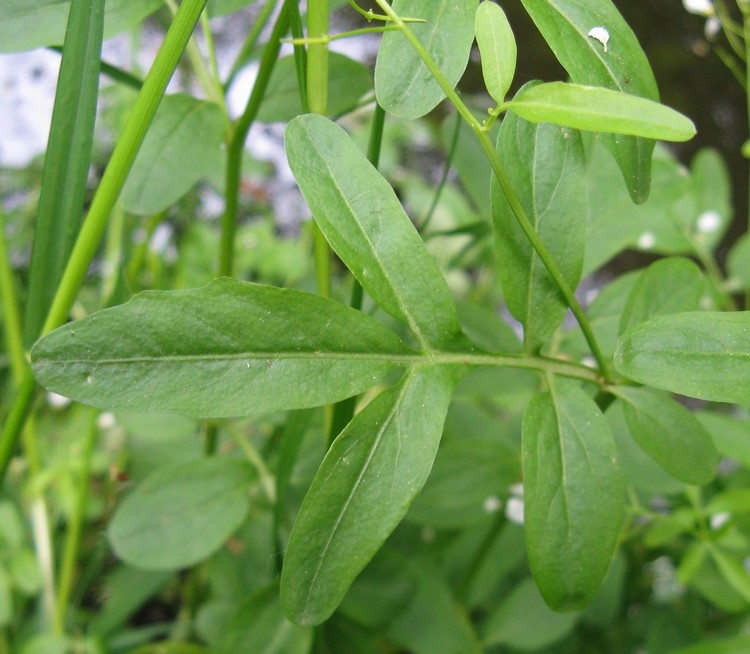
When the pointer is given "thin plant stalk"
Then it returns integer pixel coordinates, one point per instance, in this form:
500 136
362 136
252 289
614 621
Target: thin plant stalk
239 137
317 99
425 222
104 200
746 27
75 525
499 170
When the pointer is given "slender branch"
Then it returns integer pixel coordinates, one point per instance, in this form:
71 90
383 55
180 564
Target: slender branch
510 194
237 143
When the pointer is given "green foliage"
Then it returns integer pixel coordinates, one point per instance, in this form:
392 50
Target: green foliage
476 436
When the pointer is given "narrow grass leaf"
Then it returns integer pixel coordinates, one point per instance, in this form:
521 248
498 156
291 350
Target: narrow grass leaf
230 348
549 177
67 162
367 227
403 84
601 110
667 286
362 490
573 495
670 434
180 515
614 60
182 146
702 354
497 48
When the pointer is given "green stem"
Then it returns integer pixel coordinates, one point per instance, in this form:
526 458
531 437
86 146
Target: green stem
237 143
249 45
300 55
510 194
746 27
104 200
256 460
75 526
317 98
11 314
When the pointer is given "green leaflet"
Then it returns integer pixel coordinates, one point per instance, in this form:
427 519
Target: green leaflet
497 48
573 495
29 24
362 490
365 224
698 354
549 177
230 348
667 286
180 515
403 84
670 434
182 146
348 81
66 165
600 110
565 25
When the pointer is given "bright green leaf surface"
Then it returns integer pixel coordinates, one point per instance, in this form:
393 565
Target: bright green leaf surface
565 25
698 354
403 84
497 48
29 24
230 348
259 627
600 110
181 514
667 286
362 490
732 645
548 176
738 262
729 434
573 495
670 434
182 146
349 80
365 224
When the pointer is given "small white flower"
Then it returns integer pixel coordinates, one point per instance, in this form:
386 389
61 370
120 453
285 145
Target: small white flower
712 27
600 34
646 241
718 520
708 222
491 504
699 7
57 401
514 510
106 420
